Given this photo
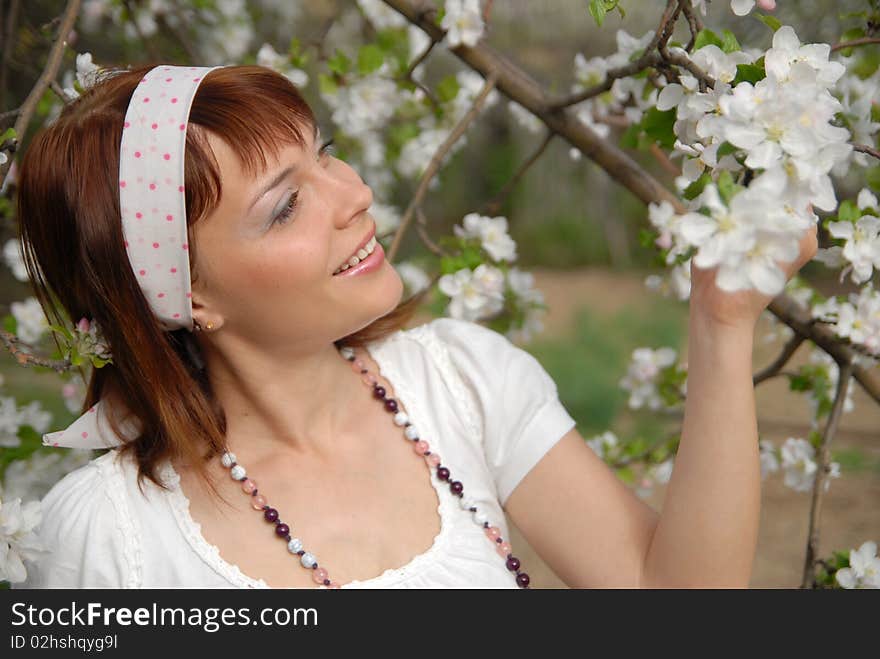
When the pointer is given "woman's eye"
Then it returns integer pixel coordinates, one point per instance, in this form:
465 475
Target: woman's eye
287 211
326 148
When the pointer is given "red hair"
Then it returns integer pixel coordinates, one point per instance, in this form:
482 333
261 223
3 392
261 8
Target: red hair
71 233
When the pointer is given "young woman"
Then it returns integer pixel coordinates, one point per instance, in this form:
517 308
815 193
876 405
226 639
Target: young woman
273 424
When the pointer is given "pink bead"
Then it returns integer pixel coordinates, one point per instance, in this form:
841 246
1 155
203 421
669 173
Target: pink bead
421 446
356 366
493 532
433 459
258 502
368 379
318 575
504 549
248 485
333 585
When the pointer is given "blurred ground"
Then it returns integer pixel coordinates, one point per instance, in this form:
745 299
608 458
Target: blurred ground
850 514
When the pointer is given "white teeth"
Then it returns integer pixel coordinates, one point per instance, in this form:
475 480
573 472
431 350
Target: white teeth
362 253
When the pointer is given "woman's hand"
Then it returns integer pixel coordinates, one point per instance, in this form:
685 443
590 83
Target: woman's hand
742 308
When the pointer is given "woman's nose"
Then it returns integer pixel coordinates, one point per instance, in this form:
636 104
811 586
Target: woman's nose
355 196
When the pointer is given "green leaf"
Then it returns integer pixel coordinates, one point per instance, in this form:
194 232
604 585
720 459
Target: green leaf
752 73
8 134
770 21
630 137
851 35
729 43
447 89
706 37
339 63
848 211
696 188
327 84
599 8
727 187
370 58
659 125
726 149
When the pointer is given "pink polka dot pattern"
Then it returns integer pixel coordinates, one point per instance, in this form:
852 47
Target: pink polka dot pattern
151 192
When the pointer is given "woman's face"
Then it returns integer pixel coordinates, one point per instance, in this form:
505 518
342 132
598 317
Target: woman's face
267 253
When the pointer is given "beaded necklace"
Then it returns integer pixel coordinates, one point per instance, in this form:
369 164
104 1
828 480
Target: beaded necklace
295 545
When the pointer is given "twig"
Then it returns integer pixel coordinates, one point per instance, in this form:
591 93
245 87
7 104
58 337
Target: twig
9 114
53 62
494 205
648 59
59 92
862 148
436 162
864 41
25 358
663 158
779 363
845 371
422 228
694 22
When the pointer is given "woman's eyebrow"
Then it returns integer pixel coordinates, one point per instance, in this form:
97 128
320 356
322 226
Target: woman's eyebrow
284 173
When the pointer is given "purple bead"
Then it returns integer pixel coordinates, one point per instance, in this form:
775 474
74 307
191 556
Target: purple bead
442 473
379 392
326 582
391 405
456 487
522 580
271 514
282 529
513 563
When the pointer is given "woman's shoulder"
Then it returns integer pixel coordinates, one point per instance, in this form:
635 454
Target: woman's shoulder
80 531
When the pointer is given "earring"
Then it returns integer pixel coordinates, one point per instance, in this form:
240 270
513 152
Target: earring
209 326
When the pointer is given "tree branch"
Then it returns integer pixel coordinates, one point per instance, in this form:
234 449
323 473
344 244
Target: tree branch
437 161
861 148
26 358
518 86
864 41
494 205
824 454
779 363
53 62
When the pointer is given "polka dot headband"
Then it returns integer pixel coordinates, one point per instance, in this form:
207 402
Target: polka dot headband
153 208
151 192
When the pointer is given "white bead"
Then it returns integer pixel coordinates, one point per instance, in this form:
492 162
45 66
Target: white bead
308 560
294 546
400 419
347 352
238 472
467 503
411 433
480 517
228 459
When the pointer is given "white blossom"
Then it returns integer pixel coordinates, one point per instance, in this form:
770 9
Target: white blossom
643 376
14 259
799 466
769 458
31 321
381 15
863 570
34 476
463 22
525 118
492 233
268 57
862 246
414 277
604 444
19 541
476 294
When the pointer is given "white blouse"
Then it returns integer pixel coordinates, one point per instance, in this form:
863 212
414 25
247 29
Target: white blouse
485 405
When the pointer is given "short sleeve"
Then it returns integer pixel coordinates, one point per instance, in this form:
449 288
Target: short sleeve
517 401
79 530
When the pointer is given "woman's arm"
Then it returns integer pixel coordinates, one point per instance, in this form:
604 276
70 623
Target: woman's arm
593 531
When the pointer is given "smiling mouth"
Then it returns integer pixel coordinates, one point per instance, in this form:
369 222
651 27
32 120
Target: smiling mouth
358 256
